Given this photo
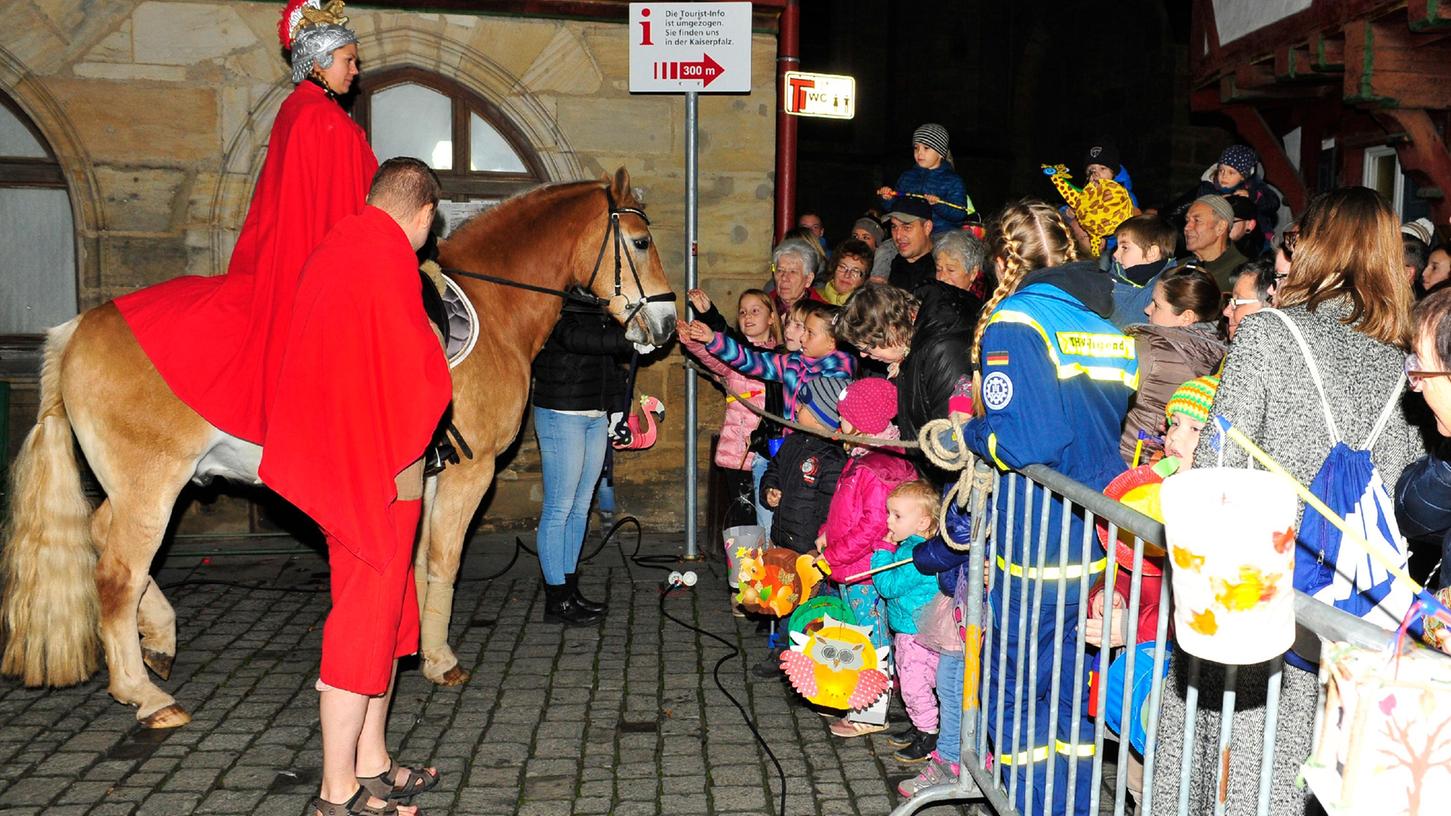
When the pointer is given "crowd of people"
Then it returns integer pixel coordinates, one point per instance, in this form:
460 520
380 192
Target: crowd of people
1218 304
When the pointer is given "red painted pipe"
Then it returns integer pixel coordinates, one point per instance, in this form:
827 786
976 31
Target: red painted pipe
787 59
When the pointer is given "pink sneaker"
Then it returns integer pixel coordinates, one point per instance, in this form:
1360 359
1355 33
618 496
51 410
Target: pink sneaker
937 772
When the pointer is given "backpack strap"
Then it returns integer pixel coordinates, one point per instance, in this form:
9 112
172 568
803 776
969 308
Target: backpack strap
1385 413
1314 374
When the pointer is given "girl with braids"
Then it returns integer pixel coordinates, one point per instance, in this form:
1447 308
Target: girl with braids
1054 382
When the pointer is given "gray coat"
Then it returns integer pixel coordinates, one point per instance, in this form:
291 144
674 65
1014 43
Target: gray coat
1266 392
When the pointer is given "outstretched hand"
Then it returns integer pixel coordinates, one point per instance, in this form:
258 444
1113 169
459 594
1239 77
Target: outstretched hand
699 300
699 332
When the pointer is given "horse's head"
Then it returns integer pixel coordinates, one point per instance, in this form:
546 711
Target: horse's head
623 267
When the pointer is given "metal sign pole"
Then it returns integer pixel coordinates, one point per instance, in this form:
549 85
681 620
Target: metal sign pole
692 201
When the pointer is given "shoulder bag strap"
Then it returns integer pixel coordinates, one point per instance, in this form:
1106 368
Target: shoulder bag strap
1385 413
1314 371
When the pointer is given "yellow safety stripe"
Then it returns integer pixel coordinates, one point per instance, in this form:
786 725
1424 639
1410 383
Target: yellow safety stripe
1051 573
1067 371
992 450
1081 750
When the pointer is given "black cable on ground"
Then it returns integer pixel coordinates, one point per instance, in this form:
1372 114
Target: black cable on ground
186 582
715 674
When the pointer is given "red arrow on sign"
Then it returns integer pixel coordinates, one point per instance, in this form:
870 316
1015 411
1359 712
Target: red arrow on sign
706 70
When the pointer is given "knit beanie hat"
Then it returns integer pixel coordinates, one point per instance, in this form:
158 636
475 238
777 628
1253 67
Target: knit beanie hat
1421 229
872 226
1241 158
1223 210
935 137
1194 399
1105 153
870 404
821 396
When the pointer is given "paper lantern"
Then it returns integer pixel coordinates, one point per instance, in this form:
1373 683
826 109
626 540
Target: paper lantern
1231 537
774 580
837 666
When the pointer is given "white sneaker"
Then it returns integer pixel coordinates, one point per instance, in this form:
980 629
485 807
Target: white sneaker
937 772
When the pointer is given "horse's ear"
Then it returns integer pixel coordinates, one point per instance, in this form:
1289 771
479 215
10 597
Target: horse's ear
620 185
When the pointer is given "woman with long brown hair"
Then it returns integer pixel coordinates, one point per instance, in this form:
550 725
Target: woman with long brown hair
1347 297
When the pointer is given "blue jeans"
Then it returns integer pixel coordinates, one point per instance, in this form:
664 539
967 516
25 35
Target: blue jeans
763 513
571 453
949 707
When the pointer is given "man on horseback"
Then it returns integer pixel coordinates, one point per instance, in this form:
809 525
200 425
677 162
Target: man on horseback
361 387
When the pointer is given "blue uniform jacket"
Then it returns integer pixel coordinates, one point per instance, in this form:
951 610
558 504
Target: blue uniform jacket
942 182
1057 378
935 557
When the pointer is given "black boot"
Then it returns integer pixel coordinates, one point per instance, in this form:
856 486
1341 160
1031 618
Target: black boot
571 580
559 607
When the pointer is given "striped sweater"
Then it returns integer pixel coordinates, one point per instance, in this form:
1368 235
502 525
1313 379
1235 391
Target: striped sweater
791 369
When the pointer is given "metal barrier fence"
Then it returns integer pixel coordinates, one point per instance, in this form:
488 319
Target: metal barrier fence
1028 746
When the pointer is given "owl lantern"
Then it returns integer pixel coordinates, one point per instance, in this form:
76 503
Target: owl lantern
775 580
837 666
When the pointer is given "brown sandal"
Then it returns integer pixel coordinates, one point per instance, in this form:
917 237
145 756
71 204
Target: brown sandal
417 781
356 806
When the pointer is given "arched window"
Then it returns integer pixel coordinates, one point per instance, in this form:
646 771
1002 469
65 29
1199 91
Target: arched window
37 236
479 155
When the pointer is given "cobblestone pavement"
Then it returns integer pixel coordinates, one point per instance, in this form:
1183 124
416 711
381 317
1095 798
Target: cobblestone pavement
620 719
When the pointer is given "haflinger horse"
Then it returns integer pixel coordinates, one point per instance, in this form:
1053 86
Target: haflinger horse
74 576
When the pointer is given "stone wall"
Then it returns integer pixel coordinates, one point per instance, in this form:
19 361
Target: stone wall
159 114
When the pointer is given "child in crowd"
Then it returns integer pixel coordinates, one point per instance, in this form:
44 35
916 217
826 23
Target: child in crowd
1234 174
758 326
1180 341
857 522
801 478
1101 162
933 179
911 519
768 436
1188 411
818 356
1144 251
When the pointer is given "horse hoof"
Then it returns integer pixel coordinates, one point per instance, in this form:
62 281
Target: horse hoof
455 676
158 662
172 716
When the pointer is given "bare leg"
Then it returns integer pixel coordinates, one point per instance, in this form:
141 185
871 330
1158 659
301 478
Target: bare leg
373 757
345 719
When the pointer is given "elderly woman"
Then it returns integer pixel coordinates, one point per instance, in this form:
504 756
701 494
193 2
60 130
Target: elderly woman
1347 297
848 267
1423 494
958 257
795 264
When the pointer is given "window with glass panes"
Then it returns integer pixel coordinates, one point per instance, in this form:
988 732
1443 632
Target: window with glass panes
480 157
37 235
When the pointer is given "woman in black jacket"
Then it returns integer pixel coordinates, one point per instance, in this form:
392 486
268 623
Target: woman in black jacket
578 381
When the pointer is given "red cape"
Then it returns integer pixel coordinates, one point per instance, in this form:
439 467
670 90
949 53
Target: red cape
216 340
363 384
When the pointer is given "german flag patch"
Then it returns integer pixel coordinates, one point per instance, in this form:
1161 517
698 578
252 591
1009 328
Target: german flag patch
997 358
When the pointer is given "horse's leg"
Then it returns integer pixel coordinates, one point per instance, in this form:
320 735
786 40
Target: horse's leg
143 444
460 489
156 621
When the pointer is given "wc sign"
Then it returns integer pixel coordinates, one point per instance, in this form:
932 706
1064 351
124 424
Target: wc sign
701 47
828 96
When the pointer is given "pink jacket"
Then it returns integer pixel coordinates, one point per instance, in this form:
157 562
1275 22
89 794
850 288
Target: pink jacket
857 522
733 451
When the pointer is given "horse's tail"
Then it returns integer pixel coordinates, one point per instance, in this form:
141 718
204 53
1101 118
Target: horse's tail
50 606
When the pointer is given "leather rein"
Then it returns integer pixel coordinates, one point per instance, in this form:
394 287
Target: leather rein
613 235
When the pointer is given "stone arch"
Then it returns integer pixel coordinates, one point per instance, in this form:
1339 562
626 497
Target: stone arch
406 45
87 215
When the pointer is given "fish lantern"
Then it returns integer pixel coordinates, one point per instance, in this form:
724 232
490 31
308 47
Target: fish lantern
837 666
811 615
774 580
1231 536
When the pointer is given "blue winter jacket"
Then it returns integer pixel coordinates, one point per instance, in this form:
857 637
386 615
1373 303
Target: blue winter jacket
935 557
942 182
1423 505
905 589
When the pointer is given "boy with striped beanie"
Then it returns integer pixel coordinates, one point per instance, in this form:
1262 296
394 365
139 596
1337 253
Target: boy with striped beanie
1188 412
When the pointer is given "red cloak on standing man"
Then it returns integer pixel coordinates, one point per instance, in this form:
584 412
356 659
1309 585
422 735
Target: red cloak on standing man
217 340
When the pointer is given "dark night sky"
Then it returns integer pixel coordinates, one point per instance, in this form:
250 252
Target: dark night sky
1015 86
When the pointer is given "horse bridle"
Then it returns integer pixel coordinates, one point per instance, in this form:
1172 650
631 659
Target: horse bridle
613 235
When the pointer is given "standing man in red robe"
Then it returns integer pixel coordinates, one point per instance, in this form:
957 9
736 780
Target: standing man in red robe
361 387
217 340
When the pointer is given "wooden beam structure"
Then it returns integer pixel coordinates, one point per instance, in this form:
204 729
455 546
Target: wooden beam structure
1423 154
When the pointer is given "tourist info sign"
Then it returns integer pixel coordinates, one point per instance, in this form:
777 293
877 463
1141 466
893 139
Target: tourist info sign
679 47
829 96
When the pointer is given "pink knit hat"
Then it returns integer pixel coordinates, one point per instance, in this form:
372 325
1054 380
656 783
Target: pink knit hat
869 404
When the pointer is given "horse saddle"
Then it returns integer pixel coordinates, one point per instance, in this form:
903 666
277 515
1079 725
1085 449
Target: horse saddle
453 314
